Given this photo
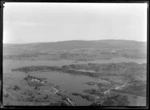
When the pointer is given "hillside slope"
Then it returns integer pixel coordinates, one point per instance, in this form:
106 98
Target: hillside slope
76 50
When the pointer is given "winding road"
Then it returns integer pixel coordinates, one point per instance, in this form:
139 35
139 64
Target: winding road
117 88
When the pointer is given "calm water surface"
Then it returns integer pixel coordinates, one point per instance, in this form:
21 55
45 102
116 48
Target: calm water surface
68 83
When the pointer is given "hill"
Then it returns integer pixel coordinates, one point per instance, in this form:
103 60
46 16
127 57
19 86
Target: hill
77 50
78 44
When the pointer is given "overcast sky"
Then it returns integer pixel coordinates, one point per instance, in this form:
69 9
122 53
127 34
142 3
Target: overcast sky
48 22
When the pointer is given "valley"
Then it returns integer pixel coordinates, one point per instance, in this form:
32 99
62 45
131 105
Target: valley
75 73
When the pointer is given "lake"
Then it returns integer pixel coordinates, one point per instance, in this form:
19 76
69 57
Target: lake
68 83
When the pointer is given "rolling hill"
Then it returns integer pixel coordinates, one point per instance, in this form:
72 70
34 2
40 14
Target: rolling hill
77 49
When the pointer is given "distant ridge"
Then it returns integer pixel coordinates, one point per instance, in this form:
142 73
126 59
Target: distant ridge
75 41
78 44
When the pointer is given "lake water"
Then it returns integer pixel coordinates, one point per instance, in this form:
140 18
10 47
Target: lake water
68 83
11 64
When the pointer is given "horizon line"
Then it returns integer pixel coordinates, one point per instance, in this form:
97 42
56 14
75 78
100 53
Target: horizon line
73 40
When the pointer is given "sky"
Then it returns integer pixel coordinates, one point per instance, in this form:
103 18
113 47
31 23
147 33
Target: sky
51 22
